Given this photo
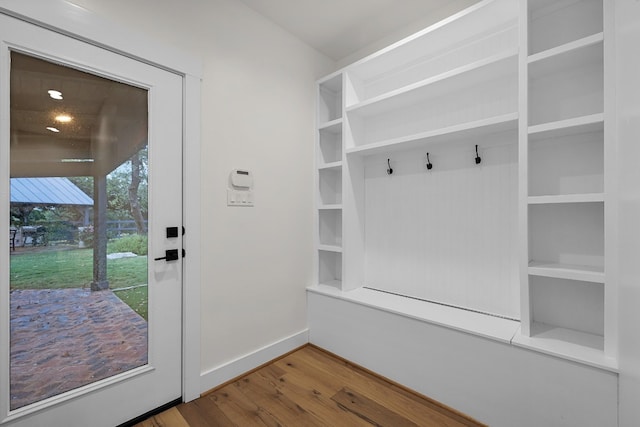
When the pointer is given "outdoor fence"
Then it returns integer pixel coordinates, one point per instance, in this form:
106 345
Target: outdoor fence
69 231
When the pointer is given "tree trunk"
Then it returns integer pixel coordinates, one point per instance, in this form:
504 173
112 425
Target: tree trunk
134 204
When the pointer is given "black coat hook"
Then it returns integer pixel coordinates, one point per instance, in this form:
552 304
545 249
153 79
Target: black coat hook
429 165
478 158
389 170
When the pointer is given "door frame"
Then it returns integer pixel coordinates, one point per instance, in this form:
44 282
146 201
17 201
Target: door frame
82 24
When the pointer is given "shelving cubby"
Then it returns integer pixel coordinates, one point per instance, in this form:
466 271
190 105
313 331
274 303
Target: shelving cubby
569 164
330 144
470 99
567 234
485 30
330 186
330 268
567 86
552 23
330 227
329 101
329 152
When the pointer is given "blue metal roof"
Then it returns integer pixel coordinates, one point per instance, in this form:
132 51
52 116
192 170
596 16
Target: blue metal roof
48 191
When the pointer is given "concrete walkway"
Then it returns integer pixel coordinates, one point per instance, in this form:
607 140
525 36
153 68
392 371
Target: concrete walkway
63 339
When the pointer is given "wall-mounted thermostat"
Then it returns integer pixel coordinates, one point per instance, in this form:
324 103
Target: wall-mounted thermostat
240 191
241 178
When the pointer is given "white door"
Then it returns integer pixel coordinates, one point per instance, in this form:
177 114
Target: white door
105 111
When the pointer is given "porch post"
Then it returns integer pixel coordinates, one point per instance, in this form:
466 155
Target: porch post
100 281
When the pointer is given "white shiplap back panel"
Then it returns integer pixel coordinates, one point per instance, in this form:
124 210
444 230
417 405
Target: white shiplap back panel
449 234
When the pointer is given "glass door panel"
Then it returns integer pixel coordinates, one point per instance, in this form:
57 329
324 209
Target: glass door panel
78 213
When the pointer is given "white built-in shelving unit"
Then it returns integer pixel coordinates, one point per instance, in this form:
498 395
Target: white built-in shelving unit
329 181
564 143
405 205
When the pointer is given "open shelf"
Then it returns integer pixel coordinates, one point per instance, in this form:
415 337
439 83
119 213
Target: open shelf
330 248
477 73
330 268
330 186
565 271
567 198
460 109
596 39
332 165
330 227
567 86
476 32
464 131
581 57
554 23
330 101
330 207
566 161
571 126
569 344
333 126
567 233
363 87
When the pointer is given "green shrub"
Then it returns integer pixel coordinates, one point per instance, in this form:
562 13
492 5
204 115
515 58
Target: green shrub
135 243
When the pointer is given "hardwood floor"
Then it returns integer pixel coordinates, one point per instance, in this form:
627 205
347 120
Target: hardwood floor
310 387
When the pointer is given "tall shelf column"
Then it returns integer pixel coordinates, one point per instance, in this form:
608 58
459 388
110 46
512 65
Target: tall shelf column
563 169
329 181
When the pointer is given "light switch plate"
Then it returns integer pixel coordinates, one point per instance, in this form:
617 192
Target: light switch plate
239 198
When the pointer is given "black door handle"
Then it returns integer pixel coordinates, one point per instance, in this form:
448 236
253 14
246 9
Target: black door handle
169 255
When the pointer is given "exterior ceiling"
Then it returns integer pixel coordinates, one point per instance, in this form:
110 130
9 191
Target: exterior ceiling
108 120
339 28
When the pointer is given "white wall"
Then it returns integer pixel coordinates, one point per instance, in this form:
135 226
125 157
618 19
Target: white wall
258 113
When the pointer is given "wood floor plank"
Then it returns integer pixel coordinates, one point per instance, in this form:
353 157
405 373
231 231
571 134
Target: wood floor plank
317 400
370 410
409 404
267 393
168 418
322 370
201 413
311 387
241 410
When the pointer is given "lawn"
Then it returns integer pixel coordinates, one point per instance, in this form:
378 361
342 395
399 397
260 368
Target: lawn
74 269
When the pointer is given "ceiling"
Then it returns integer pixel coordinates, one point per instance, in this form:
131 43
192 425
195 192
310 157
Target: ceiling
107 120
340 28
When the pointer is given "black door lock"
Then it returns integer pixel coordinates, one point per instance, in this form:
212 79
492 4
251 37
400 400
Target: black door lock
172 232
169 255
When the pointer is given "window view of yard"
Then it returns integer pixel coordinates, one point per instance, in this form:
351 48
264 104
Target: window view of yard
78 224
73 268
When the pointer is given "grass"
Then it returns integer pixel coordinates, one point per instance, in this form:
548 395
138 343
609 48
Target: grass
74 269
135 298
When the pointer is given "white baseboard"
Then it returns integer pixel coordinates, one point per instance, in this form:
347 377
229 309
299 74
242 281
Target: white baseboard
235 368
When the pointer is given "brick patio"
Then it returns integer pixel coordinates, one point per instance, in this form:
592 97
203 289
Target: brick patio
63 339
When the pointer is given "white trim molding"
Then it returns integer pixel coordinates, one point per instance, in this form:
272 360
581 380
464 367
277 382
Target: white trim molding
74 21
237 367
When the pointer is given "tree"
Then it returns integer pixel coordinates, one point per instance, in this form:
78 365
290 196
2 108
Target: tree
127 190
136 213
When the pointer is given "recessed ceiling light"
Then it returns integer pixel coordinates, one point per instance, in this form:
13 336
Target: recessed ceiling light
63 118
76 160
55 94
52 129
